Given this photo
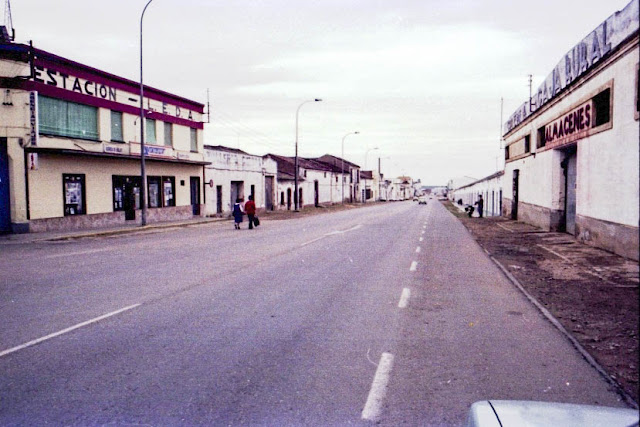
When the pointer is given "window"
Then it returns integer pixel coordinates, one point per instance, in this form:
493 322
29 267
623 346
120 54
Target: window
602 104
58 117
194 140
168 134
74 194
116 126
168 186
527 143
541 139
282 198
336 178
150 136
506 153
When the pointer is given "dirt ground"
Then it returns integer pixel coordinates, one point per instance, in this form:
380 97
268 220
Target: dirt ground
592 293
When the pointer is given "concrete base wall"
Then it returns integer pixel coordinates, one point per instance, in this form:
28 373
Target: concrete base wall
111 219
620 239
617 238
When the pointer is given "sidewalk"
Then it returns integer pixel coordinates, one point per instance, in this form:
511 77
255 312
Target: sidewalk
592 293
6 239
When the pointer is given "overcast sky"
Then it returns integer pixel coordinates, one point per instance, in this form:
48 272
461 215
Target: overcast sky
421 80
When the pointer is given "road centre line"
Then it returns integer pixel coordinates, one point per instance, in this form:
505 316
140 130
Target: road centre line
414 266
404 298
373 407
422 232
421 239
64 331
418 250
332 233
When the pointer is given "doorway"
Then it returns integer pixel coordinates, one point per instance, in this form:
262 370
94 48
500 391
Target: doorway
237 192
218 198
570 173
195 195
288 199
268 193
316 193
514 200
5 206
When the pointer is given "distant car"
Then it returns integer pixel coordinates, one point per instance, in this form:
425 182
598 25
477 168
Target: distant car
508 413
415 198
422 200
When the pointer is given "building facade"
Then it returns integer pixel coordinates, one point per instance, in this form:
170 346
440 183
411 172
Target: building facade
234 174
490 188
572 150
318 182
70 146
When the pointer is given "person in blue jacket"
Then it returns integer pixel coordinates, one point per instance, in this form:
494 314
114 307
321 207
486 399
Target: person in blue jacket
237 214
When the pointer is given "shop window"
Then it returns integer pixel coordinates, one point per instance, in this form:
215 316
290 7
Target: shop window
154 191
602 106
150 136
116 126
168 134
169 190
194 140
74 194
527 143
541 141
62 118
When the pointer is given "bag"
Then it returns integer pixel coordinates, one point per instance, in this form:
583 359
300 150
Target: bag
256 221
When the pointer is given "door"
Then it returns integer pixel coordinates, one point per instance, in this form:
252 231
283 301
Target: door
5 208
288 199
268 193
570 172
514 200
218 198
195 195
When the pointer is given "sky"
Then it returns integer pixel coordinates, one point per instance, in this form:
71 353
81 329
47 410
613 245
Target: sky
421 80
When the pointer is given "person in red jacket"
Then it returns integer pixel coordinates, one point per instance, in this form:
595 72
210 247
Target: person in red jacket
250 209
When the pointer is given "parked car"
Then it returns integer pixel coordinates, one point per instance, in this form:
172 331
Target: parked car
517 413
422 200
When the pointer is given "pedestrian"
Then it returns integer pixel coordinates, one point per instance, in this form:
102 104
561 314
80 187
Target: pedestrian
480 204
237 214
250 209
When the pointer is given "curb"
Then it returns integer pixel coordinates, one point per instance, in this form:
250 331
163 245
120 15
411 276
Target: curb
113 232
626 398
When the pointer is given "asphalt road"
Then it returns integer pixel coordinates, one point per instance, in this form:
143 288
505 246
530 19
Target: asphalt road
388 314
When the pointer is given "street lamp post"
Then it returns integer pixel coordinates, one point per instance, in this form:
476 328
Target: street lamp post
342 161
143 174
295 196
364 198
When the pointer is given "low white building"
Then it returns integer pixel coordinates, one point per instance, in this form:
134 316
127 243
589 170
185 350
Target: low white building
572 150
234 174
318 182
491 190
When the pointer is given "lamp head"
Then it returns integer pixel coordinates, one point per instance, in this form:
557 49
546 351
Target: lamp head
317 100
